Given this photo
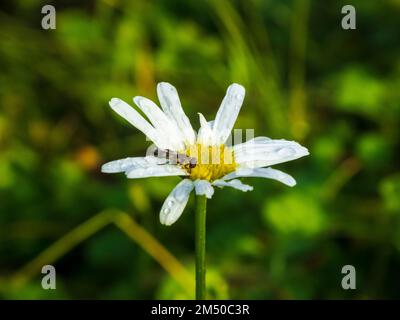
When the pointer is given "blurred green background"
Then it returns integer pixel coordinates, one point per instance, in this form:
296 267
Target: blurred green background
335 91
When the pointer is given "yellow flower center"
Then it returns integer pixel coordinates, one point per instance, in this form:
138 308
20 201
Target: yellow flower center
213 162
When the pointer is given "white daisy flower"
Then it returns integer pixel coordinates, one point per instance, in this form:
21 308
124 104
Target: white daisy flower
215 164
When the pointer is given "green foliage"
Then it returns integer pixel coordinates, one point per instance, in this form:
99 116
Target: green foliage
217 288
295 213
335 91
360 92
390 190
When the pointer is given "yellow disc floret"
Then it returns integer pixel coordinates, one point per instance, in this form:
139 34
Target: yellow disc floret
213 162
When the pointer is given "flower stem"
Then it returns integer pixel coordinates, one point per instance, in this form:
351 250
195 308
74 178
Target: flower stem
200 244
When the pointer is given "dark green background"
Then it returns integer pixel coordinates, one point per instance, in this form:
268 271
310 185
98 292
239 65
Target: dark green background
335 91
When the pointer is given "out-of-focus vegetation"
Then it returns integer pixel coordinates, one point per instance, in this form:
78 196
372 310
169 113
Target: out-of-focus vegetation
307 79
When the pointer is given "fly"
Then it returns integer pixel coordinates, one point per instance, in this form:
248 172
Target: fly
174 157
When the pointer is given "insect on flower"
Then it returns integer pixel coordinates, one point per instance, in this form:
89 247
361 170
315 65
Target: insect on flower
188 152
173 157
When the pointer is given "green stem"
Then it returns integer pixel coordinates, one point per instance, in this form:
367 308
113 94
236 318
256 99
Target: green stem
200 244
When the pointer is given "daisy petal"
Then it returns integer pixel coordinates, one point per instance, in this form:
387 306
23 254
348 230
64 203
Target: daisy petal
123 165
155 171
203 187
228 112
262 173
237 184
165 127
205 135
172 107
134 118
262 152
175 203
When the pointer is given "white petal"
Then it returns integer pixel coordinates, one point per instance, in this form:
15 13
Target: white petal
134 118
156 171
259 140
123 165
205 135
237 184
172 107
262 152
176 202
203 187
164 126
228 112
262 173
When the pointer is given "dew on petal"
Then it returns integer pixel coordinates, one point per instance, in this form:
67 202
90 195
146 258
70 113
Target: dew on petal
239 96
286 152
170 203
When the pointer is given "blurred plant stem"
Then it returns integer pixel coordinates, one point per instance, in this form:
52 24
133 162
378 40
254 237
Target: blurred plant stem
60 248
297 99
347 169
200 243
155 249
125 223
248 62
